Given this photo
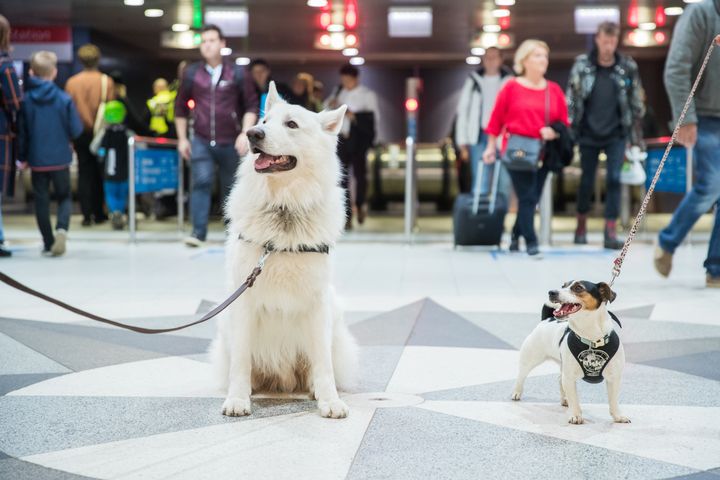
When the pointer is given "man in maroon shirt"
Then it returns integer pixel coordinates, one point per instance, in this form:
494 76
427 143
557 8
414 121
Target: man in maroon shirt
226 106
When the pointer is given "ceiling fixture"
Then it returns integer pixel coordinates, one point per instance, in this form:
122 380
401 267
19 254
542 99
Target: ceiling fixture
587 19
134 3
692 1
154 12
477 51
233 21
335 27
504 3
673 11
351 39
350 52
491 28
647 26
317 3
410 22
501 12
357 61
242 61
473 60
225 51
180 27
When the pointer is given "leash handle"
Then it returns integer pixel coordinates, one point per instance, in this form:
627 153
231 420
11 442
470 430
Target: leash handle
618 262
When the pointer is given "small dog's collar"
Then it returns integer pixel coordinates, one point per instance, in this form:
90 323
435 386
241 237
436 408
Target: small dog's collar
269 247
594 344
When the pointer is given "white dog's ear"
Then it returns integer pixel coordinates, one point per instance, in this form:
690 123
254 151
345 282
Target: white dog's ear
272 96
331 120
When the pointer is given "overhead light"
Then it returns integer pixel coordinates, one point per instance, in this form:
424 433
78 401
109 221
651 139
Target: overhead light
225 51
501 12
587 19
317 3
491 28
504 3
134 3
350 52
410 22
648 26
233 21
154 12
337 41
673 11
351 39
335 27
242 61
692 1
477 51
180 27
473 60
357 61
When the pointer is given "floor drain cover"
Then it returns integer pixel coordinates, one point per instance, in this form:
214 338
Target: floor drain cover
382 400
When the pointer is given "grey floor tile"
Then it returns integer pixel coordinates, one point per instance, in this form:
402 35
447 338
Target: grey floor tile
709 475
417 444
391 328
4 455
16 358
14 469
647 352
376 366
33 425
706 364
8 383
644 311
438 326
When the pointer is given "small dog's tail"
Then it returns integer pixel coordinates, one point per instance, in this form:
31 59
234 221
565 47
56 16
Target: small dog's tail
220 360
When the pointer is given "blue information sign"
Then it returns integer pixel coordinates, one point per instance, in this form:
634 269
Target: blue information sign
156 169
672 178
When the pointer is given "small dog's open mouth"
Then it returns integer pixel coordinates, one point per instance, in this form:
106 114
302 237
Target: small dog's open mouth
266 163
567 309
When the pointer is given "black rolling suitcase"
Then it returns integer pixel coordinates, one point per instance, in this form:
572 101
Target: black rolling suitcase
478 219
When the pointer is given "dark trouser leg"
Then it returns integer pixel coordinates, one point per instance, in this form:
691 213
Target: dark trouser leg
345 163
524 184
85 165
202 172
98 193
41 192
228 160
615 153
589 163
61 185
359 165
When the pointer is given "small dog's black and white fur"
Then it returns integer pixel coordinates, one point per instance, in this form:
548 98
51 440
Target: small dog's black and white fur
579 335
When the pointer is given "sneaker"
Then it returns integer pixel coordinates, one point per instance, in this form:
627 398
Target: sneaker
4 252
58 246
46 252
663 261
118 223
194 242
361 214
712 282
514 244
86 222
533 250
612 244
100 219
580 238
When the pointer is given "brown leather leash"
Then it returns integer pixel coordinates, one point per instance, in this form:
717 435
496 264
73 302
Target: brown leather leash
248 283
618 262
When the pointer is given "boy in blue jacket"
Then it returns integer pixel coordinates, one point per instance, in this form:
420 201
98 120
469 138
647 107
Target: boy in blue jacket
48 123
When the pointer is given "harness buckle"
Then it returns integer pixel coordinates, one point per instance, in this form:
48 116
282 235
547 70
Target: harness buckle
599 343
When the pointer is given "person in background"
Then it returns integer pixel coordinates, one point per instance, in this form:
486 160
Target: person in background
162 109
521 109
10 101
303 94
606 111
700 131
111 146
226 106
318 94
89 89
262 76
49 123
477 100
356 136
133 120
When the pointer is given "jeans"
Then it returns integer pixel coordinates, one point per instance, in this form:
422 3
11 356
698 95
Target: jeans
116 195
476 152
528 188
615 153
202 172
41 181
704 194
357 162
90 179
2 233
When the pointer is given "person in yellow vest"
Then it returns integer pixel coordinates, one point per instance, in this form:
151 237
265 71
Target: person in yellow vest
162 109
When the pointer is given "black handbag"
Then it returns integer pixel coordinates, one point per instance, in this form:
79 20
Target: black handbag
524 153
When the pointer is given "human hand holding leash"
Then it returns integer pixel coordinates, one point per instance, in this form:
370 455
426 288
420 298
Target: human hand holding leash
241 144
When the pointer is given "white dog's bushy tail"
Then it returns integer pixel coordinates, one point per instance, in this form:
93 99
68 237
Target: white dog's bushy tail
345 353
220 361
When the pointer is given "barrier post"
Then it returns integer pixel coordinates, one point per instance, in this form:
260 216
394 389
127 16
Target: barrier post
181 196
412 92
131 189
546 212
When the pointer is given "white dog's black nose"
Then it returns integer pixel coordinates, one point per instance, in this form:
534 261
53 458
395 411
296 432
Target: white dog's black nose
255 134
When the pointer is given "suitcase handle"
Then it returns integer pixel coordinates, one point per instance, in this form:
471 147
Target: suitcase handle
493 189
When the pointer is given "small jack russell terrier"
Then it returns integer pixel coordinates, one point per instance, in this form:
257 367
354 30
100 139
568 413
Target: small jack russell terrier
579 335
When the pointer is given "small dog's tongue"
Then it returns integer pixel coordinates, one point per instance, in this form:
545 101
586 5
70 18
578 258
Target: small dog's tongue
263 161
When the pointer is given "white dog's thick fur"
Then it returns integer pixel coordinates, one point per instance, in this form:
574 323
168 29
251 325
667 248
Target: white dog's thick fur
591 321
286 333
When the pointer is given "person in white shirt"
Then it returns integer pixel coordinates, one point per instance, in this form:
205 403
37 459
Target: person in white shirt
356 137
477 100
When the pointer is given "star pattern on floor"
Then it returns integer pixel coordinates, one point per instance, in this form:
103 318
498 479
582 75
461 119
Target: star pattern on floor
87 401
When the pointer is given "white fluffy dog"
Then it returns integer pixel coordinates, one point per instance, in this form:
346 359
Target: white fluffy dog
286 334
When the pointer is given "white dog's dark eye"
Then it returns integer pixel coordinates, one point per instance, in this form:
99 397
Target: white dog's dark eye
291 124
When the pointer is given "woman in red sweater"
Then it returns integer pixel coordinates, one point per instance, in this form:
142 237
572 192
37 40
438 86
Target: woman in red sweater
520 109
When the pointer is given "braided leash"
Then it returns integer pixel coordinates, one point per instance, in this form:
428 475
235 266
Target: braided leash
618 262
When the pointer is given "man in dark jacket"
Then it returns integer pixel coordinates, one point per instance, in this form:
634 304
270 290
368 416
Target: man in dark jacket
605 107
48 123
226 106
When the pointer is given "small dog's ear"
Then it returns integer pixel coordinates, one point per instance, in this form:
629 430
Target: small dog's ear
606 292
272 97
331 120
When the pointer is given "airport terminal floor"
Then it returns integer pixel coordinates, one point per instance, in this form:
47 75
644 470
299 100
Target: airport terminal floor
439 331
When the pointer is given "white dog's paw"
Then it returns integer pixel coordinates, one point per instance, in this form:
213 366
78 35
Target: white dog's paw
576 420
236 407
333 409
621 419
516 396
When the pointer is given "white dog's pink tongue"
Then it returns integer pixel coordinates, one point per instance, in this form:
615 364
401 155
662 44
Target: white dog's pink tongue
263 161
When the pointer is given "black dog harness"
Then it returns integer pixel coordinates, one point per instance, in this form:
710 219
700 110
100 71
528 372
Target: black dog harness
269 247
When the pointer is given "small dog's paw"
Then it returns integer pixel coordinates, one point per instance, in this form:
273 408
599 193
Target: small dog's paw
576 420
236 407
516 396
563 402
333 409
621 419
